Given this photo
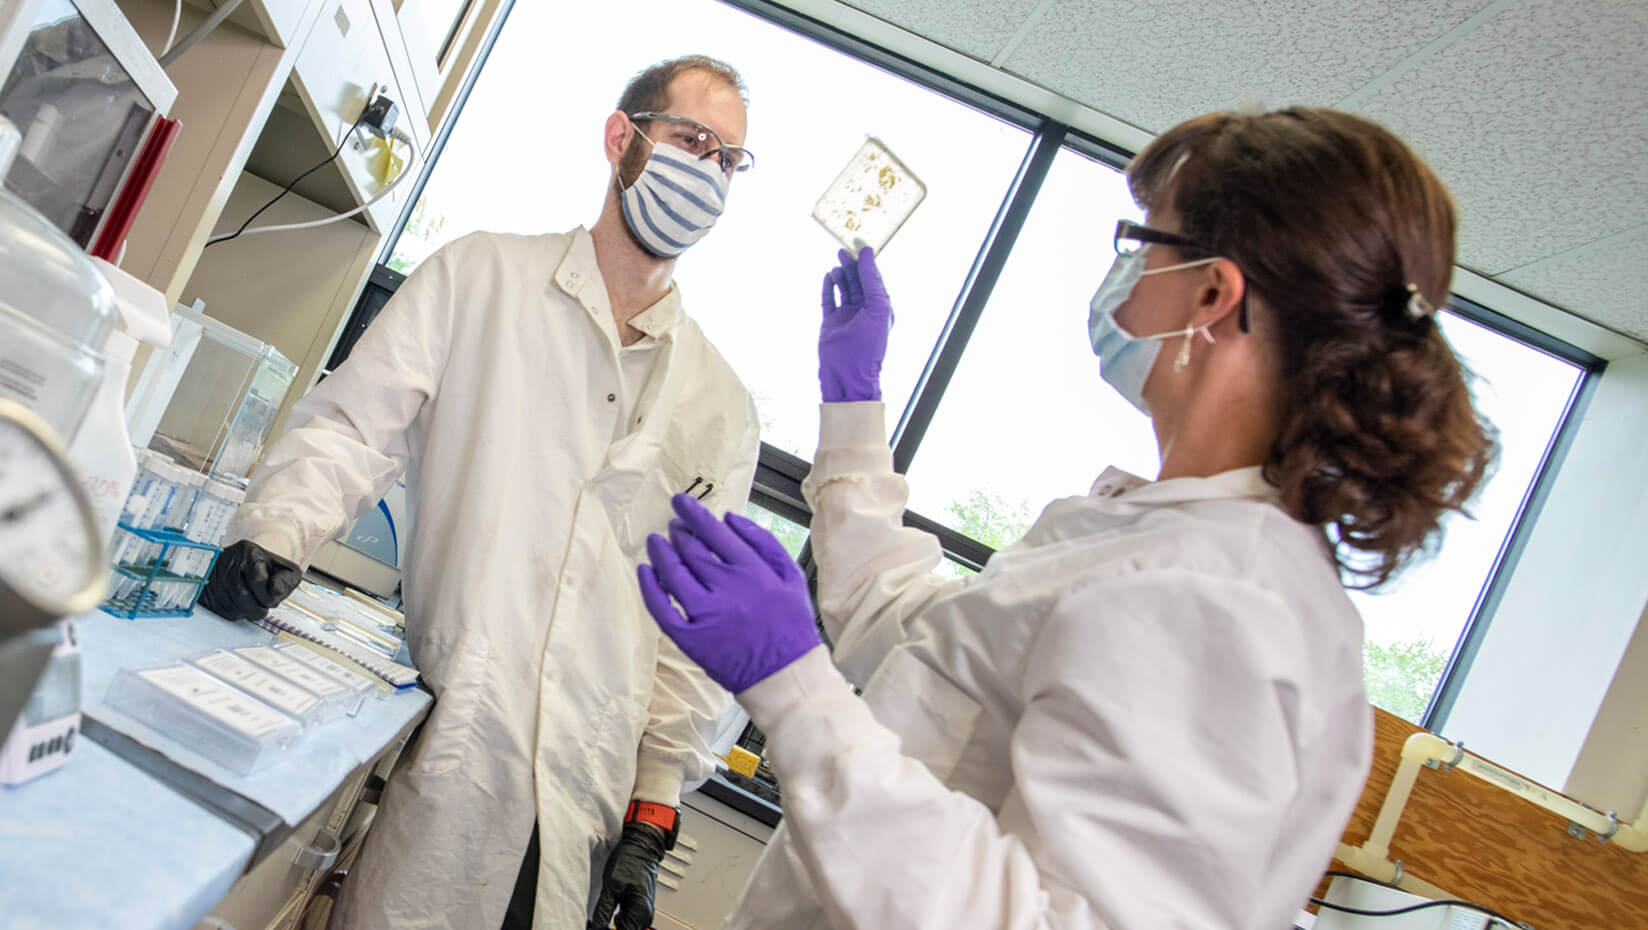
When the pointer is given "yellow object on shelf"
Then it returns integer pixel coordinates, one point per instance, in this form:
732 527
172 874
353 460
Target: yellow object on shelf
743 762
389 163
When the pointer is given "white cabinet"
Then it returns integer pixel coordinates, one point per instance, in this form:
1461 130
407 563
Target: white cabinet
700 879
341 65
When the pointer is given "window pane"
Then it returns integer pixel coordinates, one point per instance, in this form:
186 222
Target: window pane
1026 418
526 157
790 533
1413 628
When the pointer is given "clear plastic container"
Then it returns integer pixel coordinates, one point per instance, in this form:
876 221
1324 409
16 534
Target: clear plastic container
870 199
225 400
366 688
56 312
225 725
262 684
339 699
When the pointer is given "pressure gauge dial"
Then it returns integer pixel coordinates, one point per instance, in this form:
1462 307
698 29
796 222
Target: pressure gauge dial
51 551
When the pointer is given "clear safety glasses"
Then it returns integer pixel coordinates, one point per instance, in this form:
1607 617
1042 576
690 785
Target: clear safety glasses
694 138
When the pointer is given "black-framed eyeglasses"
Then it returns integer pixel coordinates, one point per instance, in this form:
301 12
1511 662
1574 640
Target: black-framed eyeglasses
694 138
1127 231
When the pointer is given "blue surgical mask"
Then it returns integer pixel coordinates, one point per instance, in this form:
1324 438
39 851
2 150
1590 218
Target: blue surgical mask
1125 360
675 201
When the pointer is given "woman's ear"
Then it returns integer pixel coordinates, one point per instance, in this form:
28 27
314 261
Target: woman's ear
1220 297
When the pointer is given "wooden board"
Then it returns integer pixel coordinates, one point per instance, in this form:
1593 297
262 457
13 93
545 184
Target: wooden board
1490 847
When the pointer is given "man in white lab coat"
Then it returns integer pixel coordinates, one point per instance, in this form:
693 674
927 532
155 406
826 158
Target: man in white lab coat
545 396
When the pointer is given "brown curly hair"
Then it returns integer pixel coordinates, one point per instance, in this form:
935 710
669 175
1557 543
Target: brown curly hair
1331 219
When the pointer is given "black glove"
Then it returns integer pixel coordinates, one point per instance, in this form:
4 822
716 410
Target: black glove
631 879
248 580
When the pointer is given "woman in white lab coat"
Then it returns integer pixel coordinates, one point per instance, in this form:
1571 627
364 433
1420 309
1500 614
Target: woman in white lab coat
1149 712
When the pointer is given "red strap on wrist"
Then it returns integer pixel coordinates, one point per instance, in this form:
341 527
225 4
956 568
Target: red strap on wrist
661 816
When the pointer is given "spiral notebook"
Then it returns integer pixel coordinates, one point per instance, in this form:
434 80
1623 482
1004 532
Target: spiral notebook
294 623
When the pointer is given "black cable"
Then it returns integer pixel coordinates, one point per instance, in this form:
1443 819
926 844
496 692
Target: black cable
288 188
1446 902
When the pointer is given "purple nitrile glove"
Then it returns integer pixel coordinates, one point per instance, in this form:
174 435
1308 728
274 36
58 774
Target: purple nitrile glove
853 338
747 610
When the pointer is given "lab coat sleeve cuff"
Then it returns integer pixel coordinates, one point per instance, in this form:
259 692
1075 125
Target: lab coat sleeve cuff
852 443
802 685
657 781
278 536
852 425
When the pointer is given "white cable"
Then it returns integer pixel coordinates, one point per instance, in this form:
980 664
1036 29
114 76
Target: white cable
177 16
411 156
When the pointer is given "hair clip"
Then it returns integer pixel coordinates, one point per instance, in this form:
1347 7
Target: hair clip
1418 306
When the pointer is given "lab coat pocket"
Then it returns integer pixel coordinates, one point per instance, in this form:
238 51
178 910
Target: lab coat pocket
649 509
448 737
933 718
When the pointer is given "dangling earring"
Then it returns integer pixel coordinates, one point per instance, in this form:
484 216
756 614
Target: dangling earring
1184 351
1183 358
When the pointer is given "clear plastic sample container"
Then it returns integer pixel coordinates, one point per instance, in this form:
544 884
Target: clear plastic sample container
225 398
228 726
870 199
338 699
366 688
262 684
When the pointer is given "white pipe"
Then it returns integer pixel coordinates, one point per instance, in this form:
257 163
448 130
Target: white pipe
1372 858
1419 749
1379 868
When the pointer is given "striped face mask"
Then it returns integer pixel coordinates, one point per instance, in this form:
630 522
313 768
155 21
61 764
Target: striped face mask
675 201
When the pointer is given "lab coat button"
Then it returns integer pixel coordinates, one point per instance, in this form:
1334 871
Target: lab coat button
611 398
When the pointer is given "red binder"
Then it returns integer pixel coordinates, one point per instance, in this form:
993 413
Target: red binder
123 213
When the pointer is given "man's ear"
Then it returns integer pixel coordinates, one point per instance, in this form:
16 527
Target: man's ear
615 136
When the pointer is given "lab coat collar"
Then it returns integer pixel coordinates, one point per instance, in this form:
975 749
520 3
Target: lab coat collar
579 276
577 269
1237 483
660 319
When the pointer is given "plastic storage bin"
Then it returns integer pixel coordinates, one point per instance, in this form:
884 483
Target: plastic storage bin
225 725
220 390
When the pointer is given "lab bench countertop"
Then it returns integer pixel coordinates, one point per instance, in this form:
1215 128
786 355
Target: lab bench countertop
138 830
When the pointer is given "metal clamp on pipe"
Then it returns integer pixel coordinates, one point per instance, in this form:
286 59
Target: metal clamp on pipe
322 855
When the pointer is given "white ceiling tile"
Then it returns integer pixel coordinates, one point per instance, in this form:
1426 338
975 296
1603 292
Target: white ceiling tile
1536 122
979 28
1155 63
1606 282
